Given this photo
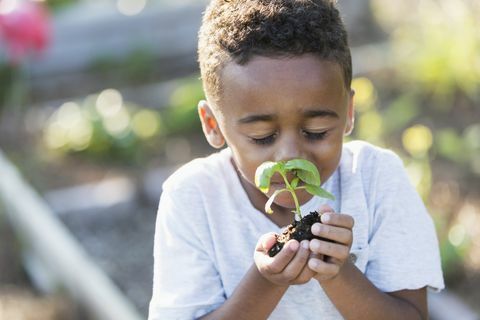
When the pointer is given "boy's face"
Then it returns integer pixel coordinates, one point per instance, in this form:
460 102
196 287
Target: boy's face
280 109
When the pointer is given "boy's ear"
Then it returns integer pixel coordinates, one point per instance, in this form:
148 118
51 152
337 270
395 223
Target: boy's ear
210 125
350 114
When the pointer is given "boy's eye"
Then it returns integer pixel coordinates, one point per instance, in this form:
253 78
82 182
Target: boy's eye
265 140
314 135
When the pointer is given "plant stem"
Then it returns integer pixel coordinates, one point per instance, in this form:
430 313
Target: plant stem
294 196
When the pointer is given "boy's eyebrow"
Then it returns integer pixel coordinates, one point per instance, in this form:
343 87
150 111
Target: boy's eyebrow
307 114
320 113
256 118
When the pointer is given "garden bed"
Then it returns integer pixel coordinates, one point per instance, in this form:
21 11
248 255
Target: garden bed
19 299
118 233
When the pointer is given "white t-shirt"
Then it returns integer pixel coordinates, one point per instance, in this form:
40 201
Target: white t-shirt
207 230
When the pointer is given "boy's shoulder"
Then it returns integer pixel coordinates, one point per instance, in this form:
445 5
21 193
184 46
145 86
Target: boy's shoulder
366 148
198 171
362 155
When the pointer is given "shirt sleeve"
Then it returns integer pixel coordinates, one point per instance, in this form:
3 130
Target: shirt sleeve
186 284
403 246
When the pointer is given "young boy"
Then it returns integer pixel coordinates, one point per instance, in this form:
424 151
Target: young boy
277 76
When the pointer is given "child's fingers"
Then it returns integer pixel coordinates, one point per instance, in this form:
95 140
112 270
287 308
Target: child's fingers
338 219
268 240
324 208
335 250
333 260
337 234
296 265
324 269
307 274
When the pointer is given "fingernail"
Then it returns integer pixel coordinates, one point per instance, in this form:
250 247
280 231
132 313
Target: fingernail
316 228
305 244
293 246
325 217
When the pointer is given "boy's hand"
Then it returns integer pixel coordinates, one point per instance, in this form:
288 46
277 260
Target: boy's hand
289 266
338 228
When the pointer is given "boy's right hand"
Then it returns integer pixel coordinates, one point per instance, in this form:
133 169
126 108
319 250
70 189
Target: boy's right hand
289 266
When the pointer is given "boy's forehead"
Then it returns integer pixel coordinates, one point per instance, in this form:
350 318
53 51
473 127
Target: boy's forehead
265 82
266 70
305 73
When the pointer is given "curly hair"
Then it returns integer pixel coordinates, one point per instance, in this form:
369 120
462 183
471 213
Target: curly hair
237 30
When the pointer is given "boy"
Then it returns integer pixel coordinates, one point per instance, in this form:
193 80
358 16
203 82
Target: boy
277 75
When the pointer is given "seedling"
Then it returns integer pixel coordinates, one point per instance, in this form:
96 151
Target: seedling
303 175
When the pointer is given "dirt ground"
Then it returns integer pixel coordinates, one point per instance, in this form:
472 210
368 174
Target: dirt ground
18 298
119 239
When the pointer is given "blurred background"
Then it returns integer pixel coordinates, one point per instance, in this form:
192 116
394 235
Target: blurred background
98 106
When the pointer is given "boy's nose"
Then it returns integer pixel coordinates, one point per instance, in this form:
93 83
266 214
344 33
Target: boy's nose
288 148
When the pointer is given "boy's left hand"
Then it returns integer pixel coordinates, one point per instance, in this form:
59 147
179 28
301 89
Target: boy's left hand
338 228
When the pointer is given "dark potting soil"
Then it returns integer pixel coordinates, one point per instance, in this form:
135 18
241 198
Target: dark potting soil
298 230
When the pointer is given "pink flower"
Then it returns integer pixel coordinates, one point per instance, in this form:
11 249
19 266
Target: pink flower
25 29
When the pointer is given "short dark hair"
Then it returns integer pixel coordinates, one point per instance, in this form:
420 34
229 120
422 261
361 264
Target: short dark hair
237 30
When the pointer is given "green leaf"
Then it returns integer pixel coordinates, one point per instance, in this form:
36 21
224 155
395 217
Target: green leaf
305 170
264 173
319 191
294 182
268 205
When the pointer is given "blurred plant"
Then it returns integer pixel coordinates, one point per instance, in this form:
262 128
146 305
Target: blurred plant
7 79
56 5
182 115
103 126
437 43
369 122
136 66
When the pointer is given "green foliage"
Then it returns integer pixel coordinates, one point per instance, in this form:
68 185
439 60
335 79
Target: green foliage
135 67
436 46
104 127
400 113
303 171
264 173
7 75
450 145
182 115
451 257
56 5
